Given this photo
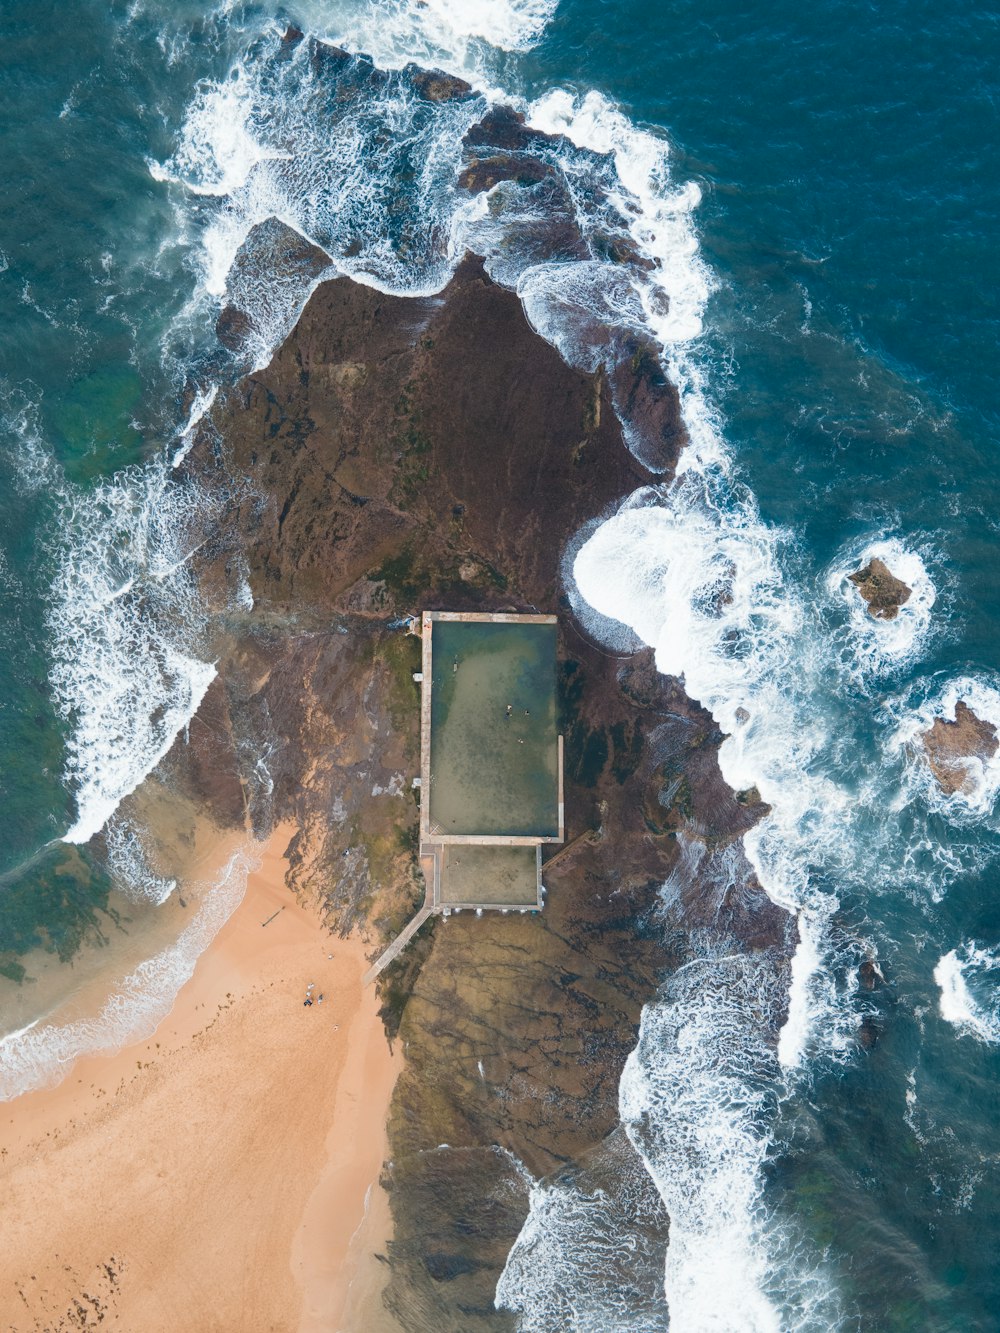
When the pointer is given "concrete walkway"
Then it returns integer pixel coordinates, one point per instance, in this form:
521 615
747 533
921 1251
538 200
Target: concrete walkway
398 945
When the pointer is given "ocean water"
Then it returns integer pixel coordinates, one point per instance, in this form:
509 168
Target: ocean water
815 187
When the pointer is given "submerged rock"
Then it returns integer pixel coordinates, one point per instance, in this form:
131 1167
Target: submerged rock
880 589
870 975
270 247
869 1033
950 745
482 173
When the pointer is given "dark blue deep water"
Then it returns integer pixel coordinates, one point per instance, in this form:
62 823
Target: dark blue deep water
844 385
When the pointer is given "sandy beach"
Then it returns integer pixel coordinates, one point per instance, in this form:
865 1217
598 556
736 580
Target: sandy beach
223 1174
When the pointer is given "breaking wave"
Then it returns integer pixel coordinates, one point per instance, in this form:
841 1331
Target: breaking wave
969 981
40 1055
698 1098
125 622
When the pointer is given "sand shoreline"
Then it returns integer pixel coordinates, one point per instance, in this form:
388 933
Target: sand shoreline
218 1174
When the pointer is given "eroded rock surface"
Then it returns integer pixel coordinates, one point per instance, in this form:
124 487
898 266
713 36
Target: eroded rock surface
951 744
436 453
883 593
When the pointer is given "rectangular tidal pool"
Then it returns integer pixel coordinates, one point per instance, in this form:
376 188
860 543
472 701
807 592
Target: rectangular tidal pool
494 754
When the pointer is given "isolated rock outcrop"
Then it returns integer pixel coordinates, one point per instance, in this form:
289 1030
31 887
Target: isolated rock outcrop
950 745
880 589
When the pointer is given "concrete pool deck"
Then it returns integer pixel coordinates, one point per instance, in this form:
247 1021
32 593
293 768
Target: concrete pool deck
507 801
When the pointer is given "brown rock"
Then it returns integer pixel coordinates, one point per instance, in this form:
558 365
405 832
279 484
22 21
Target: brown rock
645 398
234 328
381 417
435 86
482 173
503 127
880 588
950 744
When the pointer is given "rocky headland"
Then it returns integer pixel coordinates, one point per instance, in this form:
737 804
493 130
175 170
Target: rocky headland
436 453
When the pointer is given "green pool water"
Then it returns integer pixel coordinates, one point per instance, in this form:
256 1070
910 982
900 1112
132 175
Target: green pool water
494 746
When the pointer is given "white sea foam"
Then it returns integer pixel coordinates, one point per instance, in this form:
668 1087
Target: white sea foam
200 405
510 25
699 580
695 1098
42 1054
451 34
124 620
656 212
969 980
128 862
368 178
913 714
876 645
572 1263
37 470
218 149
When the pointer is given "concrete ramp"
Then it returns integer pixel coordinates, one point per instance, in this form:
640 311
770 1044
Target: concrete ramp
397 946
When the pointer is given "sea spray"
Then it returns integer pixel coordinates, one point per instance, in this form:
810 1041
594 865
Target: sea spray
968 978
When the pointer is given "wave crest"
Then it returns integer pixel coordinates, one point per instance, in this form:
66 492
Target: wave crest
125 622
969 981
41 1054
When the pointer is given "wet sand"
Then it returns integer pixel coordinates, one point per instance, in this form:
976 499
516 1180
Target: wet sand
221 1175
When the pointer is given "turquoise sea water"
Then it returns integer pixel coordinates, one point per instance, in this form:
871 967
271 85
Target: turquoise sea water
843 397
